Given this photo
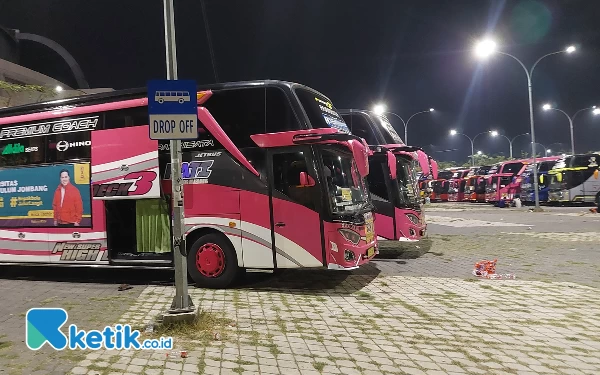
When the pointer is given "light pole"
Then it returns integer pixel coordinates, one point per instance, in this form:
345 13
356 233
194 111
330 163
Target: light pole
486 48
380 109
454 132
546 150
510 141
547 107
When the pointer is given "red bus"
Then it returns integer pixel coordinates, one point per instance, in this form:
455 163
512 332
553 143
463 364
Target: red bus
392 177
274 180
475 185
441 186
458 183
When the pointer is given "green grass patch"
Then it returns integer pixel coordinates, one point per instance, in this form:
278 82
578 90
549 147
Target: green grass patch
203 328
319 366
363 295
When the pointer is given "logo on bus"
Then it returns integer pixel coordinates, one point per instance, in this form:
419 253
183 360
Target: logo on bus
17 148
193 170
193 144
78 251
64 145
53 127
142 183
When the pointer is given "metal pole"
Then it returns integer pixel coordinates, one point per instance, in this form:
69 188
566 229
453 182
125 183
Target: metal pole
182 301
572 138
472 153
535 174
405 134
510 147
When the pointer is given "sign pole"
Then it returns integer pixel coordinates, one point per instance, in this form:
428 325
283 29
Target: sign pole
182 303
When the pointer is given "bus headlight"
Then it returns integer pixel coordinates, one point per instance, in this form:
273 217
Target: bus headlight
350 235
413 218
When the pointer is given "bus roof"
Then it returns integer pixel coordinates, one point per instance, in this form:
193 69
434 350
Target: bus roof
136 93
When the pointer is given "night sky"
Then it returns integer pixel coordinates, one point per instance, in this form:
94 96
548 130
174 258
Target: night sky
410 54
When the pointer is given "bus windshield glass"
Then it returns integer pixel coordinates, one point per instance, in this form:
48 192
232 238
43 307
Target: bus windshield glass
346 187
320 111
513 168
406 182
389 134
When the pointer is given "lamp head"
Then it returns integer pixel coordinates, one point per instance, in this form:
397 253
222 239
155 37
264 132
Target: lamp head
479 153
431 109
596 111
58 88
453 132
485 48
494 133
379 109
546 107
570 49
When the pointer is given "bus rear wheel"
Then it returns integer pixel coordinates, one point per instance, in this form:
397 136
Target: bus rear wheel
212 262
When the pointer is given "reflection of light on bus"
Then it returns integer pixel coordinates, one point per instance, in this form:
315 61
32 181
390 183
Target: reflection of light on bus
172 96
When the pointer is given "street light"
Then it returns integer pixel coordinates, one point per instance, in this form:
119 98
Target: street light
380 109
479 153
546 150
596 111
547 107
488 47
454 132
495 133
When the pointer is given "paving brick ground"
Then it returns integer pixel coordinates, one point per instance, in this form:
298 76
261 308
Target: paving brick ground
416 309
90 305
382 325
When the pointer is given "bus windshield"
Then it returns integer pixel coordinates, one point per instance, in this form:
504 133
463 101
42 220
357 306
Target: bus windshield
347 190
320 111
406 182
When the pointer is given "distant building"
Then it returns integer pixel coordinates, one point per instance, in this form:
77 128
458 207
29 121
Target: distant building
17 74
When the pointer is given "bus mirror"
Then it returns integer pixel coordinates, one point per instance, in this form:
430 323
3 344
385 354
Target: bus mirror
360 151
306 180
559 177
391 159
596 174
542 178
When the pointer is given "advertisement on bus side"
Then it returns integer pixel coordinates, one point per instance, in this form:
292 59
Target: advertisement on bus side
46 196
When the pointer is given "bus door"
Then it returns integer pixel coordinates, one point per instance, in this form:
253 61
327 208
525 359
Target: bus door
125 177
296 226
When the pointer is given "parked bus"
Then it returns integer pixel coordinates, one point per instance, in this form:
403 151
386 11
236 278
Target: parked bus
392 176
527 193
575 178
458 183
499 182
475 186
441 186
272 182
507 185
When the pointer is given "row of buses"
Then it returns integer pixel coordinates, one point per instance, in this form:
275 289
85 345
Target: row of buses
277 178
561 180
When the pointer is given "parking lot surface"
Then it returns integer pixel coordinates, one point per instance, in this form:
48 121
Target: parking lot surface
416 309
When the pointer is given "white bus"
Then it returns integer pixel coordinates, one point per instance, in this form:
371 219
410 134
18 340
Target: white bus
172 96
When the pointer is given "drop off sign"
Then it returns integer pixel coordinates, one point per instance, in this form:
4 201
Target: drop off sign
172 109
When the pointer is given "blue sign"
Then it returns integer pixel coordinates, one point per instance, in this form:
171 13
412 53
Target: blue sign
172 109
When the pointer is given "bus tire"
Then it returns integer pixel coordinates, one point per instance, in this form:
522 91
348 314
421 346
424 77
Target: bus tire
212 262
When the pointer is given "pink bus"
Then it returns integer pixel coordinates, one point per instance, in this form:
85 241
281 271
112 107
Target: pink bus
273 181
504 182
392 176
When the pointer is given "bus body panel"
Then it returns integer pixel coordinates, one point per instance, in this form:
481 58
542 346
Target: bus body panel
126 165
407 229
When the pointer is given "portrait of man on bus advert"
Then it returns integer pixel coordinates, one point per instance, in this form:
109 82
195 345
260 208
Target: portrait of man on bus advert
67 203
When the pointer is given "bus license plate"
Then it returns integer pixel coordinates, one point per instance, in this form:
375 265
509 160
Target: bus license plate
370 252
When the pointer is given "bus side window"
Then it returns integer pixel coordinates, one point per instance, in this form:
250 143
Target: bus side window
123 118
244 112
286 178
376 179
360 127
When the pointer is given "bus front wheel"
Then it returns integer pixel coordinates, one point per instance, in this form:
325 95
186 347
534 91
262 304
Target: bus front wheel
212 262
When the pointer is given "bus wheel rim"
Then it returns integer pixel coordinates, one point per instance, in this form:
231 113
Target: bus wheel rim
210 260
